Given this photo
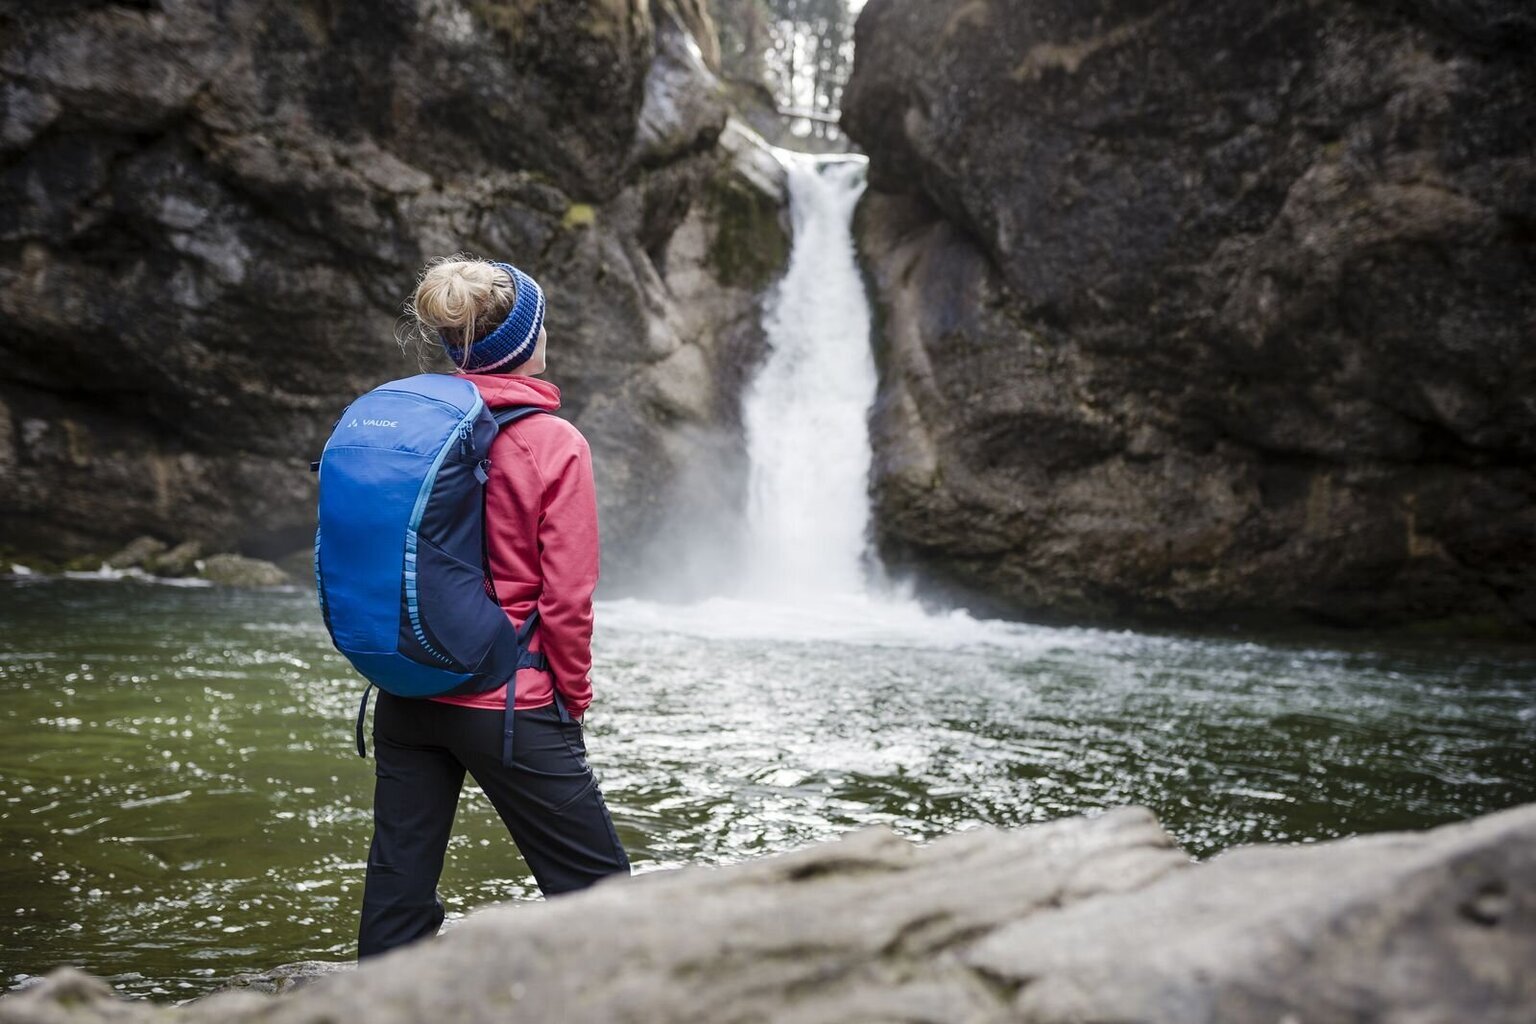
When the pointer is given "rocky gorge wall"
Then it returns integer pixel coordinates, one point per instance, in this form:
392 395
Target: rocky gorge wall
211 215
1193 309
1082 919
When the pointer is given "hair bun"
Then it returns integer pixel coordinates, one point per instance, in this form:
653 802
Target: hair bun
461 298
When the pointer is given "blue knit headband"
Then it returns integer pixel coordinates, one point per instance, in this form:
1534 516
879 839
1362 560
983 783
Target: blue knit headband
512 343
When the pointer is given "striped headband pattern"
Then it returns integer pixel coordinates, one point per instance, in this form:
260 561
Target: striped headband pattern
512 343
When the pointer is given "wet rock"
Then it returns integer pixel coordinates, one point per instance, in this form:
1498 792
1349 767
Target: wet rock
753 159
180 560
7 442
668 446
685 106
285 978
1205 310
218 210
137 554
1098 918
239 571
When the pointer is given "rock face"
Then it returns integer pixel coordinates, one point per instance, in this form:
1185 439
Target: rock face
1100 919
1194 308
211 215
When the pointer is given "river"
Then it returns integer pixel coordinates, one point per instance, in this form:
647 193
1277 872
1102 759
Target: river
180 799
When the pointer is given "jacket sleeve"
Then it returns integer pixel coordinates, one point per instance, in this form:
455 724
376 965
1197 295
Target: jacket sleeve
568 560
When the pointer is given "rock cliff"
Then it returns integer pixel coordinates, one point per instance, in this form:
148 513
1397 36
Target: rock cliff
1194 309
1097 919
213 212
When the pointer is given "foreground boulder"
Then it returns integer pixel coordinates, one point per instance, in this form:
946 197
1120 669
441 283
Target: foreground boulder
1087 919
1202 308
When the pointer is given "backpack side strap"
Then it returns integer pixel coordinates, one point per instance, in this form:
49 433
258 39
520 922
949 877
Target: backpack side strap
525 659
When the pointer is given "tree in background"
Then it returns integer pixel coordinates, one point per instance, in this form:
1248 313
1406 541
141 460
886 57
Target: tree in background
801 50
744 37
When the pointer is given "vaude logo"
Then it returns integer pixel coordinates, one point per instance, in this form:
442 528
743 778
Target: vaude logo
391 424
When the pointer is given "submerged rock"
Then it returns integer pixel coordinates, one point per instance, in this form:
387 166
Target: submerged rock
285 978
1198 309
1101 919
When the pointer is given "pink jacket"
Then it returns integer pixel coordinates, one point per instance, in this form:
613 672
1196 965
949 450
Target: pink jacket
541 529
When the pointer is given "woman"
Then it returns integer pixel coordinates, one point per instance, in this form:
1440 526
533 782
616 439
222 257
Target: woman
541 538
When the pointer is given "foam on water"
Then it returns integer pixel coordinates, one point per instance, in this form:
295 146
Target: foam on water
860 619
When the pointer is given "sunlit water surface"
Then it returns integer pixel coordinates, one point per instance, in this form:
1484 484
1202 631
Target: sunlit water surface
180 800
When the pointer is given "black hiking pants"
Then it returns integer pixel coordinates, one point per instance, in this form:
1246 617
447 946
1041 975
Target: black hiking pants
549 801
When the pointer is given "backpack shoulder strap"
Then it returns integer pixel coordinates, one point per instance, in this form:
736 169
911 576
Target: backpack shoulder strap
515 413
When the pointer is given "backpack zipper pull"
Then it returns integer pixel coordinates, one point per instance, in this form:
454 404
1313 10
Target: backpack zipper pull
466 444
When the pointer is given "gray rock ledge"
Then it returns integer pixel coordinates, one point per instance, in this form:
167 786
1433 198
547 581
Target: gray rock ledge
1097 919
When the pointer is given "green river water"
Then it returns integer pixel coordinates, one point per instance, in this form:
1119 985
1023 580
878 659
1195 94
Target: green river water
180 800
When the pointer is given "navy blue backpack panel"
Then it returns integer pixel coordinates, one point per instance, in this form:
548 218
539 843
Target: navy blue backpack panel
400 550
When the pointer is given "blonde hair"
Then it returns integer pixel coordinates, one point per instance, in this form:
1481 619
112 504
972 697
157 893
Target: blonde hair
460 299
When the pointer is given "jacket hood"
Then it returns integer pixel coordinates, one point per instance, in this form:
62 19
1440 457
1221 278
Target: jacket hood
503 390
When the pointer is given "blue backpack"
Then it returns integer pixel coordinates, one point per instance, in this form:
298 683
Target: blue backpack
401 563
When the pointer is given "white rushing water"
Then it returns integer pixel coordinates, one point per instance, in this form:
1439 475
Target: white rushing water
805 414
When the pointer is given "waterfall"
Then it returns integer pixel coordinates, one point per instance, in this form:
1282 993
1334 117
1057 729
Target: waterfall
806 574
805 414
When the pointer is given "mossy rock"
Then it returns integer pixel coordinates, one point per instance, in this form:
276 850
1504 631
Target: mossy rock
750 247
239 571
79 563
579 215
508 20
39 564
138 553
179 561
